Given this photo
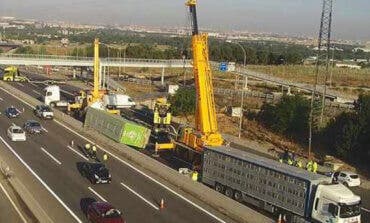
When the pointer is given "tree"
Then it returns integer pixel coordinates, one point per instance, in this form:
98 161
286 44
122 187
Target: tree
288 117
348 136
183 102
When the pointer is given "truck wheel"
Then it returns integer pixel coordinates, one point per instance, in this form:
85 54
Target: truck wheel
237 195
219 188
229 192
345 184
52 104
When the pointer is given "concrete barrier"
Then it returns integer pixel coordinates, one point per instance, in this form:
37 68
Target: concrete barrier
24 194
223 204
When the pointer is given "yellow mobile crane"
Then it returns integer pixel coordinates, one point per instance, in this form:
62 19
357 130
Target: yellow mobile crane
87 98
191 141
206 130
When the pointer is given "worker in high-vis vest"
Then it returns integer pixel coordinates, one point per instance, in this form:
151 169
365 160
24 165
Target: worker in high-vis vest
194 176
290 161
105 157
87 148
309 166
94 150
314 167
299 163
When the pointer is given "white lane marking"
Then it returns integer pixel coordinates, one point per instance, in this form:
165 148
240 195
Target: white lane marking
51 156
1 99
33 84
20 84
18 98
98 195
36 92
141 197
144 174
75 151
45 130
13 204
131 166
41 181
364 209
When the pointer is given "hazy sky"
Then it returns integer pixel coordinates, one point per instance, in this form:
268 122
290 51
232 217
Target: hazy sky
351 17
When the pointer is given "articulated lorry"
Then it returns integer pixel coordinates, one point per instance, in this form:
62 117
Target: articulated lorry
278 188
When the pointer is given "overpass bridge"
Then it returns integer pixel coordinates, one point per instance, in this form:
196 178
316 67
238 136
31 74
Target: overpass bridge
73 61
330 94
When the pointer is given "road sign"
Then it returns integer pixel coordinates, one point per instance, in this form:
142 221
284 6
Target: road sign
223 66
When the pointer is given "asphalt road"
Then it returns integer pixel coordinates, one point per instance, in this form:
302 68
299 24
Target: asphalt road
35 90
136 195
10 211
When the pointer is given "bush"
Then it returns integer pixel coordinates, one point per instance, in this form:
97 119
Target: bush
348 136
183 102
288 117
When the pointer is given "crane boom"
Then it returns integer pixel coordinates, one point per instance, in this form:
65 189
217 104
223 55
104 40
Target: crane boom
206 130
95 92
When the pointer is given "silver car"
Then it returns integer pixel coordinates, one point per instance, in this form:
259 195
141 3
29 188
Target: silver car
15 133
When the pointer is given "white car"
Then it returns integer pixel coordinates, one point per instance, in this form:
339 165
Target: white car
16 133
347 178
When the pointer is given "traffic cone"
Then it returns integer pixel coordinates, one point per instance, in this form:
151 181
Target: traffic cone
279 220
162 204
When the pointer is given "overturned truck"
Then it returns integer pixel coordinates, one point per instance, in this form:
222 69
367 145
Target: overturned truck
117 128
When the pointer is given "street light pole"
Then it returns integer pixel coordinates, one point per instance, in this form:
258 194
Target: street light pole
242 99
244 51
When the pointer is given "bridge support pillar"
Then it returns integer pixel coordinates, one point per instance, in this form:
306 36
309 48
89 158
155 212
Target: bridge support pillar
162 77
246 83
289 92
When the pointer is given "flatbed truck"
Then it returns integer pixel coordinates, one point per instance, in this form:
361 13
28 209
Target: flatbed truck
278 188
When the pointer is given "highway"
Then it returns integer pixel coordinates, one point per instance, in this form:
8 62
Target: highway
35 91
50 158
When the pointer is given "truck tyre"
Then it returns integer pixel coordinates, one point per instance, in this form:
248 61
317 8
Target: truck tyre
219 188
229 192
345 184
238 195
52 104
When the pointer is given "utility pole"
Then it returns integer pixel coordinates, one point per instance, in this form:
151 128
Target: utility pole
241 110
322 52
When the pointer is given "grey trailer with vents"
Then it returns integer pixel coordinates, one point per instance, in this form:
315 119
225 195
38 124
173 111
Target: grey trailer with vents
273 186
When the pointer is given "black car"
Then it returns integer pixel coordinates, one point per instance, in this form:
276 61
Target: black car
96 173
33 127
12 112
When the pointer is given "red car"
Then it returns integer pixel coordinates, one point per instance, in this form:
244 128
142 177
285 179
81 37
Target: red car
103 212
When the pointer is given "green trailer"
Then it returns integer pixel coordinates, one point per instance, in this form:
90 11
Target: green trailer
117 128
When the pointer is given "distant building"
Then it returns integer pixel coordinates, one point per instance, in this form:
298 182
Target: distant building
28 41
345 65
64 41
366 50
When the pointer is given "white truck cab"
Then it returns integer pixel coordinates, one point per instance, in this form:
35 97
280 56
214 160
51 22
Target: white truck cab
335 203
51 96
